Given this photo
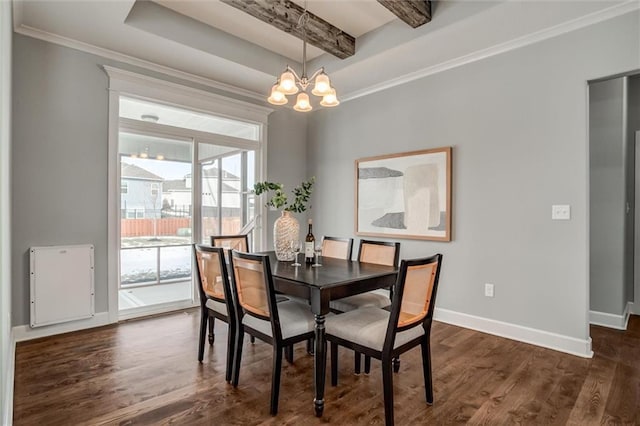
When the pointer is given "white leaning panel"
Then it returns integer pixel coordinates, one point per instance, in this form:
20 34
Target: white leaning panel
62 287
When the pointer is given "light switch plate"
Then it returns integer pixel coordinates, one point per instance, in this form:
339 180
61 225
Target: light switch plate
561 212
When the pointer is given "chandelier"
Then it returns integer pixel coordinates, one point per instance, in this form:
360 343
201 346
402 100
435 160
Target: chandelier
289 83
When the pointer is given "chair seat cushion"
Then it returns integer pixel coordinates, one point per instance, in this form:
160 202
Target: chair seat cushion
377 298
367 327
216 306
295 319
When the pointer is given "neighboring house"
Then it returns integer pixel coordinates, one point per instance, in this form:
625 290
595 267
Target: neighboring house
140 192
176 194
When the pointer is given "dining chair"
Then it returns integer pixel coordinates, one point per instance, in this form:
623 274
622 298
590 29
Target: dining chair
215 299
259 315
382 253
384 334
238 242
340 248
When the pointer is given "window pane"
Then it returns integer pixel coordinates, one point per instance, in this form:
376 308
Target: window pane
138 266
175 263
137 109
210 226
231 195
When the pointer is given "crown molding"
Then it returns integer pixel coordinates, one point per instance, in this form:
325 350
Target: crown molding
127 59
538 36
557 30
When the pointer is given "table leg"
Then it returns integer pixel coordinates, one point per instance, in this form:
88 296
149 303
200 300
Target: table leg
319 365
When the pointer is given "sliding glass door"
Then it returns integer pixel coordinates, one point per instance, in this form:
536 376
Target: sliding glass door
155 221
183 177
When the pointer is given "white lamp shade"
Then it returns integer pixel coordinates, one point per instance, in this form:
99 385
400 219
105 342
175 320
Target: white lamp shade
277 97
330 99
322 85
287 84
302 103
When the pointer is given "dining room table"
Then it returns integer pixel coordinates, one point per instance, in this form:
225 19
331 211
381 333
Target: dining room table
334 279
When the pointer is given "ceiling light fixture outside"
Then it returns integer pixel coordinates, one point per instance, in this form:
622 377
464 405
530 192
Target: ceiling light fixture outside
289 83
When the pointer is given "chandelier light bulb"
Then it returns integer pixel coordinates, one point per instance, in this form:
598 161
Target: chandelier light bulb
322 85
277 97
330 99
302 103
287 84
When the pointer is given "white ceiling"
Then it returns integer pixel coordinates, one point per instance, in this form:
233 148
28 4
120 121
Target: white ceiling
211 41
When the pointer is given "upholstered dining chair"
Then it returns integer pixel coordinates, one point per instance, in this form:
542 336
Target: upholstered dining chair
258 314
382 253
384 334
215 299
340 248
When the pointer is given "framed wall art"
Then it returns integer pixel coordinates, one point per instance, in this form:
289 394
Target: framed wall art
406 195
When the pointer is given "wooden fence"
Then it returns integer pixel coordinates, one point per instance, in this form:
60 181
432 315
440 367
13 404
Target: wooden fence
176 226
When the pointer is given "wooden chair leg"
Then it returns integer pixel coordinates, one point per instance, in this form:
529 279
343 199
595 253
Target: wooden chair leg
252 339
396 364
310 346
237 358
387 386
231 343
367 364
288 354
203 329
357 362
334 364
212 321
275 379
426 369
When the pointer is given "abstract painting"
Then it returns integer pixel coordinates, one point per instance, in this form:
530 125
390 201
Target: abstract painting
405 195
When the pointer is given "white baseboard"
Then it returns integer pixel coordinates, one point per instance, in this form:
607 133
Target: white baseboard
558 342
619 322
7 415
25 332
634 308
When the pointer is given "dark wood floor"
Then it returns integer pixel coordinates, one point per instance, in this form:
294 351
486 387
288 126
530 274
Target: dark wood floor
146 372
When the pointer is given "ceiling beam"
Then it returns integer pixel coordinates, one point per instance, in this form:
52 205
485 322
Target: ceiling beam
413 12
284 15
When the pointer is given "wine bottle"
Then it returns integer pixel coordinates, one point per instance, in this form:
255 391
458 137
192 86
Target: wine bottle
309 243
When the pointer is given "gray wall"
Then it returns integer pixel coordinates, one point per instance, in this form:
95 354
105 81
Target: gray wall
517 123
633 126
286 154
60 112
607 112
5 226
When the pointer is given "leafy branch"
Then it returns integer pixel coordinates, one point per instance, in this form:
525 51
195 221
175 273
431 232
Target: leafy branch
279 199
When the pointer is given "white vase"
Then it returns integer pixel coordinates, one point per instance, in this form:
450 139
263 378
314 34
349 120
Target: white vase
285 230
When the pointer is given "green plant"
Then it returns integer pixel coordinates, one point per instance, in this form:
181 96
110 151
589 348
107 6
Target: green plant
279 199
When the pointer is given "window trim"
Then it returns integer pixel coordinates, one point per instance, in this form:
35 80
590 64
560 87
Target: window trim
130 84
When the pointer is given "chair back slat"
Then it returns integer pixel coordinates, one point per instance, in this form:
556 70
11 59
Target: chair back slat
211 278
418 289
251 285
338 248
381 254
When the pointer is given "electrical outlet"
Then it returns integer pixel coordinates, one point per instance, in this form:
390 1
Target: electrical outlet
488 290
561 212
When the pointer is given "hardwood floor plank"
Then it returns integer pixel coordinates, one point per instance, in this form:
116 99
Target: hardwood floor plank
589 406
146 372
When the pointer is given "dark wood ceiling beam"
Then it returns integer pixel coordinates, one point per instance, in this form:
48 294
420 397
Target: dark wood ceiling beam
413 12
284 15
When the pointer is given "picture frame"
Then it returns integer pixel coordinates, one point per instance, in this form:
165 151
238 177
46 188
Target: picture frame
405 195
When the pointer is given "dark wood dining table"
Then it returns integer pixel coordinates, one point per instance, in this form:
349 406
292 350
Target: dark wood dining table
336 278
